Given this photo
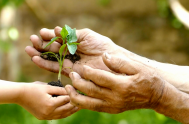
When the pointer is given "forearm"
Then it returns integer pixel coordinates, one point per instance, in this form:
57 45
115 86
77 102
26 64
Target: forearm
174 74
174 104
9 91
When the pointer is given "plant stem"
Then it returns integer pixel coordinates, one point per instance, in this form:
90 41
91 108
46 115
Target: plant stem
61 64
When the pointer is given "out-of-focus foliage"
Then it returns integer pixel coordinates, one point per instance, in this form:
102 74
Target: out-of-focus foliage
5 2
104 2
14 114
5 46
165 11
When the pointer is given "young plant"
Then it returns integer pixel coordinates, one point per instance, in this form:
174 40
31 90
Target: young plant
69 39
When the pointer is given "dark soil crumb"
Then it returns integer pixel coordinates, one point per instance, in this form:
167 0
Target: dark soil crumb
51 57
57 84
73 58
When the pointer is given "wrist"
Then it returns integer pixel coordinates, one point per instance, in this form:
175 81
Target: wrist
11 92
20 94
174 104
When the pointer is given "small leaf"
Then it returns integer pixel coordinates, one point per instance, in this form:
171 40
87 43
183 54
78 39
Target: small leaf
52 40
74 36
64 34
61 50
72 48
71 37
68 29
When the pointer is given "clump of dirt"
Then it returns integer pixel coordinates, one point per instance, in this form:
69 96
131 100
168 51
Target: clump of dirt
72 58
56 83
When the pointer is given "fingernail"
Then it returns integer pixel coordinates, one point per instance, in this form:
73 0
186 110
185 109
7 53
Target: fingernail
71 75
108 56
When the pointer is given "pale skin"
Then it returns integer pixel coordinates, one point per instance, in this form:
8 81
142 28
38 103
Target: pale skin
37 99
150 84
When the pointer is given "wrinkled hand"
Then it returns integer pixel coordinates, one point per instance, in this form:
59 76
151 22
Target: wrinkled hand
37 99
91 48
134 86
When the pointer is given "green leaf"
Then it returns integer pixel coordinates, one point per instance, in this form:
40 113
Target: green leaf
52 40
71 37
74 43
68 29
72 48
61 50
64 34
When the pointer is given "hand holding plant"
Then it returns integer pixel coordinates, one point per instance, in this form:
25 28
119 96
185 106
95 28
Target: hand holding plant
91 48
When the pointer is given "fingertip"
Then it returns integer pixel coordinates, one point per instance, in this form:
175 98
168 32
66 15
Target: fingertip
68 89
57 30
36 58
27 48
74 75
46 34
31 51
33 37
42 31
58 27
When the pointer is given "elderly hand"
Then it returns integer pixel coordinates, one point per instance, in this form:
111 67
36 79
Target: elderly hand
91 48
134 86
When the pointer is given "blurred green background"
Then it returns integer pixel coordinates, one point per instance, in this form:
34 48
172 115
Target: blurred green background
145 27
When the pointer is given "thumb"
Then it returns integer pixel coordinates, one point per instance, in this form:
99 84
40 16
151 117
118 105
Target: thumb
120 64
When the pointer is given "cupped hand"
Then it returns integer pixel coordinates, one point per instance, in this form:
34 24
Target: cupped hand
134 86
91 48
37 99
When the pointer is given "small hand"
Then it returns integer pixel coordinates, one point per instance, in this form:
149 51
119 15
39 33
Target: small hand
134 86
37 99
91 48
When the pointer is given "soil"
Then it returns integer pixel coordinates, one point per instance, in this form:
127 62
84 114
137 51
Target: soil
56 83
71 57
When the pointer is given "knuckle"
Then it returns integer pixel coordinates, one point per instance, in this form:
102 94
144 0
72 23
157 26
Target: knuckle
90 91
47 109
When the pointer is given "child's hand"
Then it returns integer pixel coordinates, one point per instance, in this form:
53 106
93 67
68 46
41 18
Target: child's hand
37 99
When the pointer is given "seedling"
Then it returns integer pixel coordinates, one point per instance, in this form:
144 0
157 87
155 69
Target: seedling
69 39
